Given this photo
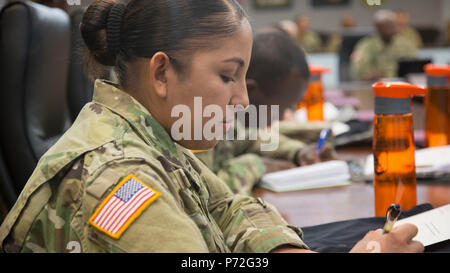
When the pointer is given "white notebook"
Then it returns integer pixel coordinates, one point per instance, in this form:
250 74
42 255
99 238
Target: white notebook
320 175
427 161
433 225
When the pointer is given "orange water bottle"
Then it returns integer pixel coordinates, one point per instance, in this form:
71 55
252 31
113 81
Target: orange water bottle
393 146
437 121
314 98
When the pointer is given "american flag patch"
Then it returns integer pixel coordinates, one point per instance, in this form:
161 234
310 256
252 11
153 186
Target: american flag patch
122 206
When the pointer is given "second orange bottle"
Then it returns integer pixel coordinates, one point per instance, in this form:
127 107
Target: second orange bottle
314 98
437 103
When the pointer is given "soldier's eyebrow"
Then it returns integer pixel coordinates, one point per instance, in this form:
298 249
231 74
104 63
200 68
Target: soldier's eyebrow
237 60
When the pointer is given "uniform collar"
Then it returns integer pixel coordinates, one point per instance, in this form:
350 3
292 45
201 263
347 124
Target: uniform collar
109 95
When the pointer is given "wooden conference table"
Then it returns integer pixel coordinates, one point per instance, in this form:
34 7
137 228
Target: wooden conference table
320 206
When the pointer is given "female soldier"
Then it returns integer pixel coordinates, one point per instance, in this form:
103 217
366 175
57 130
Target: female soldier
116 181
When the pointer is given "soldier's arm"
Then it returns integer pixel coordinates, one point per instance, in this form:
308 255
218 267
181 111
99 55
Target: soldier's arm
302 131
407 49
239 172
287 148
163 226
417 38
362 61
248 225
242 173
316 42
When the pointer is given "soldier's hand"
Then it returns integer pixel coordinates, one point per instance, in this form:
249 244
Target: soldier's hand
399 240
275 165
307 156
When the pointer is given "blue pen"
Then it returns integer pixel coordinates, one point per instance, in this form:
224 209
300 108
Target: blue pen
323 136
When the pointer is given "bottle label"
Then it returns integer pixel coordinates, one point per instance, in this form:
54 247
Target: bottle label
436 81
390 106
315 78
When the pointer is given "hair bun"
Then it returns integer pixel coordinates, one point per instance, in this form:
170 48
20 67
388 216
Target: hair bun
93 29
113 24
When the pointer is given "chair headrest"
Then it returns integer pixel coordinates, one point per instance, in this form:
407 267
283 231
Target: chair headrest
34 54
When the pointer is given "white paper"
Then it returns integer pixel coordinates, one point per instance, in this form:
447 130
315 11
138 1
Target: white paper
433 225
427 160
326 174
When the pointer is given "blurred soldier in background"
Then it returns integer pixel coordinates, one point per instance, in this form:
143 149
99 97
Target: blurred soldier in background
334 44
306 38
376 56
406 30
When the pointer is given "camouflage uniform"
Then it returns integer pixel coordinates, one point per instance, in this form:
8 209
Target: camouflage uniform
310 42
238 162
373 59
307 132
115 136
334 43
412 35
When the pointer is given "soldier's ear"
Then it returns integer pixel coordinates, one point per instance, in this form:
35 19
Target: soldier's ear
159 65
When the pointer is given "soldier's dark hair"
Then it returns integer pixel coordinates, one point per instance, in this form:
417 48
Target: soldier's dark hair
274 56
118 32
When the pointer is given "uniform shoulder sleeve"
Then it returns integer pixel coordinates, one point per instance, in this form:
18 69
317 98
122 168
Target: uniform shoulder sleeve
133 208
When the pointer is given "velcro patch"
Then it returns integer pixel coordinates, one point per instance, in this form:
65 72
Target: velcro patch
122 206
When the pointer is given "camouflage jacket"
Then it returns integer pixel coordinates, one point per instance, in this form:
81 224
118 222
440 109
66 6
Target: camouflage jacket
413 36
238 162
310 42
373 59
306 132
115 137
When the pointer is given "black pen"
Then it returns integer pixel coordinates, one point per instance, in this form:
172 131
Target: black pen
392 214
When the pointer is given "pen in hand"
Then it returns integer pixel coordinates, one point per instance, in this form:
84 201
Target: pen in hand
392 214
323 136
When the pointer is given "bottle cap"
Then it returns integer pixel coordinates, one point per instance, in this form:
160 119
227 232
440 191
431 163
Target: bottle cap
395 97
397 90
437 70
318 70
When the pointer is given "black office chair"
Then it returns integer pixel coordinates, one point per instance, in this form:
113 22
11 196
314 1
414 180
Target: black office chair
411 65
349 41
34 57
430 35
8 192
3 3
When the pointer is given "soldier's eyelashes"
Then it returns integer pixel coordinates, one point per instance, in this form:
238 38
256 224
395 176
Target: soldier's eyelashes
226 79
